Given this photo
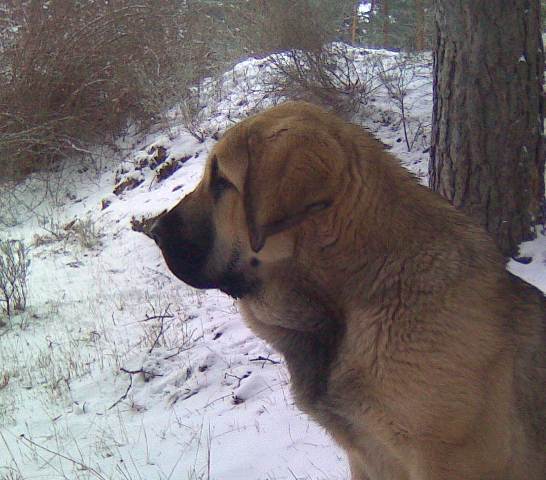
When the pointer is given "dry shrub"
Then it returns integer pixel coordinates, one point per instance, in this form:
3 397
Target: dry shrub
327 76
193 114
399 77
83 232
262 27
307 61
76 72
14 269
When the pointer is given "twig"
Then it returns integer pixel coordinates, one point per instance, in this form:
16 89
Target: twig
216 400
12 456
240 379
162 330
124 396
181 349
140 370
71 460
264 359
156 317
132 372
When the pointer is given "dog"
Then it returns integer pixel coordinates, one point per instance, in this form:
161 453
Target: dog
404 335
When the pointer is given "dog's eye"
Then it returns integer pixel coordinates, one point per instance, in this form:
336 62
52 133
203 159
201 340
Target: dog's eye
218 184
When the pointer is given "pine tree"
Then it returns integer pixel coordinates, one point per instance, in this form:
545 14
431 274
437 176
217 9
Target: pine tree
486 155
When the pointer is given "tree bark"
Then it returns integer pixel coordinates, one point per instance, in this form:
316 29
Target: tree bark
354 22
385 13
419 25
486 152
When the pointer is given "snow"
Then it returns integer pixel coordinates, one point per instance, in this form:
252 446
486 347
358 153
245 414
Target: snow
535 271
118 370
364 8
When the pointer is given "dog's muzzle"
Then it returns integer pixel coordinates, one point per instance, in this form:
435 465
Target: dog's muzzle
185 252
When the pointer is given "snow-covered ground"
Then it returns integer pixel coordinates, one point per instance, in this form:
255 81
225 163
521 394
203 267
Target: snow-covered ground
119 371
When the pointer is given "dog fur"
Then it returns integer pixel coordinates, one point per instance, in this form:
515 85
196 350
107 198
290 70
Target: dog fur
404 335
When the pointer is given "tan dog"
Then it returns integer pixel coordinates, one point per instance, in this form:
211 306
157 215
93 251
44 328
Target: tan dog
404 335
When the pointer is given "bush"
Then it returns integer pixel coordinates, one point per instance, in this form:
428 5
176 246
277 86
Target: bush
399 78
76 72
258 28
327 76
261 28
14 269
308 58
81 232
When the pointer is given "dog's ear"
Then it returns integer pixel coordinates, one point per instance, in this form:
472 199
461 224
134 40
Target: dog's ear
291 174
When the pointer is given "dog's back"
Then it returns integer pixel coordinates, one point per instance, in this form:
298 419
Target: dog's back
530 370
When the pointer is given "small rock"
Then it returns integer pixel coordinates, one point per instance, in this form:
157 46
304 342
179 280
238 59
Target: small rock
127 184
167 169
524 260
159 156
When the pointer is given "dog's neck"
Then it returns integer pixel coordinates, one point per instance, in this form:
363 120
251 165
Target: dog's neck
306 331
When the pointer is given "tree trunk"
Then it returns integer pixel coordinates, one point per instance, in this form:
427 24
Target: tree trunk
354 22
385 13
419 25
486 152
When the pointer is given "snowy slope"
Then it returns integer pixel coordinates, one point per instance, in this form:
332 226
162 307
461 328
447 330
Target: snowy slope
118 370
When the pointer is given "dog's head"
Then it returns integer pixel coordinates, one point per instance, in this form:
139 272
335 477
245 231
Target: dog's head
263 183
